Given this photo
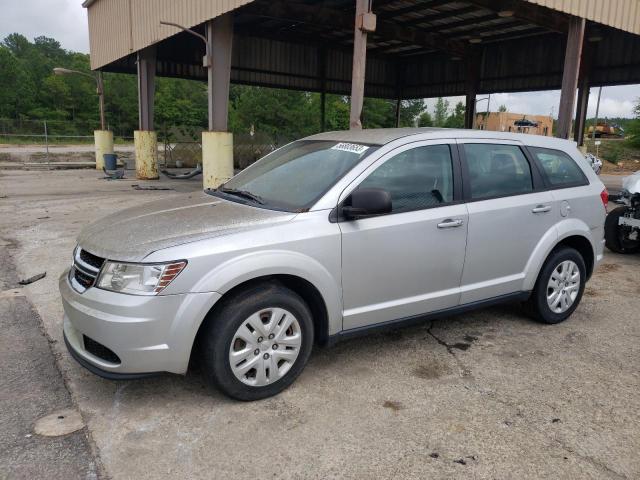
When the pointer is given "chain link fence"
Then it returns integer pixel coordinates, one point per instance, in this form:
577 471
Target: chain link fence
33 141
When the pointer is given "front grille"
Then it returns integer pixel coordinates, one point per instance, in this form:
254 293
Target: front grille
91 259
99 350
85 270
85 280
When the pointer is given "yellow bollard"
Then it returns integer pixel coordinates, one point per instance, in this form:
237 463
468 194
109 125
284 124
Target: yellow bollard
104 144
217 158
146 146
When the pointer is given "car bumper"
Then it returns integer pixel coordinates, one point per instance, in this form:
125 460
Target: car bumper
143 334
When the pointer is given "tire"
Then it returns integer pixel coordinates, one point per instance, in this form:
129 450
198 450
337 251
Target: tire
615 235
538 305
236 317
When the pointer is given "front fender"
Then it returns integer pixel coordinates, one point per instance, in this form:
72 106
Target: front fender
253 265
566 228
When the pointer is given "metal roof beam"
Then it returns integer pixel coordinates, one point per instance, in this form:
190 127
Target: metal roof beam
317 15
419 7
528 12
439 16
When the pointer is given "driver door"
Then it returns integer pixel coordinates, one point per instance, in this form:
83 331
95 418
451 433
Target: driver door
407 262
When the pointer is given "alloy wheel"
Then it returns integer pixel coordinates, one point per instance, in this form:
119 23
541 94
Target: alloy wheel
563 286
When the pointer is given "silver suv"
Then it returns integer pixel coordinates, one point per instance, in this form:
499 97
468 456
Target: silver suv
335 235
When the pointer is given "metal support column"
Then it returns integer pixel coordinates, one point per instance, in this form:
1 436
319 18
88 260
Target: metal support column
471 86
145 139
217 143
146 87
584 87
581 111
220 39
322 62
363 7
572 58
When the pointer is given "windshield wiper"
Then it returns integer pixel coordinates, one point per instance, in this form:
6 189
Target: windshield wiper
242 193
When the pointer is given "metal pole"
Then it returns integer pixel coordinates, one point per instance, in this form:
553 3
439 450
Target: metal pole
209 64
100 90
323 111
573 55
359 65
46 143
595 125
398 107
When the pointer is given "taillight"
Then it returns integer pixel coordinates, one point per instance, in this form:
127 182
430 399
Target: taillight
604 196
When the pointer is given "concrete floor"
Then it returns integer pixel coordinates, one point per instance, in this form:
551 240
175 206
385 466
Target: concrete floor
483 395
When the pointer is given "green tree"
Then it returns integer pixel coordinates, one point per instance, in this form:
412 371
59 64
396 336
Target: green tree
410 112
456 119
502 108
425 120
440 112
633 128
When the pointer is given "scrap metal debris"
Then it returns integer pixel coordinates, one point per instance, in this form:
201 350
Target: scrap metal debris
35 278
183 176
114 175
149 187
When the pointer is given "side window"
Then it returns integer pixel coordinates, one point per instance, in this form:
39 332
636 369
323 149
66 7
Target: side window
560 169
497 170
418 178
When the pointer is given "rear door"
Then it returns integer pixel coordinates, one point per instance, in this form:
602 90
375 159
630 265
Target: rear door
569 185
409 261
509 213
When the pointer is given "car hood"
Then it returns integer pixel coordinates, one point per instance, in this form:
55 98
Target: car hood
132 234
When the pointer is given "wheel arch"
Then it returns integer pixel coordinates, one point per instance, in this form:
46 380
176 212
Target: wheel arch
572 233
302 287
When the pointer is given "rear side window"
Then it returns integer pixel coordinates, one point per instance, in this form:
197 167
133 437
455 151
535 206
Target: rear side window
418 178
560 169
497 170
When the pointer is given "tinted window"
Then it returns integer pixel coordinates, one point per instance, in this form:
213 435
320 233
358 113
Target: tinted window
560 168
418 178
497 170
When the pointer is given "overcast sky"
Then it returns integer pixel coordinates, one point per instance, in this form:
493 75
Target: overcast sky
66 21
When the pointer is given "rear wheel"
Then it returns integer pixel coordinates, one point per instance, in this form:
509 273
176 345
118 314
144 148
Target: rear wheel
258 342
559 287
619 238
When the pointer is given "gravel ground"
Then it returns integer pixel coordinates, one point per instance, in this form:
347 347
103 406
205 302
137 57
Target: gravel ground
484 395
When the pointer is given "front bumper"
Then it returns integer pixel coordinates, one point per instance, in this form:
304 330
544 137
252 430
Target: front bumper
147 333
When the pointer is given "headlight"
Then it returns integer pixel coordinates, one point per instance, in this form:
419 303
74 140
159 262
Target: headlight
138 278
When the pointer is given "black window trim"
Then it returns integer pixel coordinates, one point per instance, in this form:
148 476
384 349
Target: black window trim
458 183
538 184
548 185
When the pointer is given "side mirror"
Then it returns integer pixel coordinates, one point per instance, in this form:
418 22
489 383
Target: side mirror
366 202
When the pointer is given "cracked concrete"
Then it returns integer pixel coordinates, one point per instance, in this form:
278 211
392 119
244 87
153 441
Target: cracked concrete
521 400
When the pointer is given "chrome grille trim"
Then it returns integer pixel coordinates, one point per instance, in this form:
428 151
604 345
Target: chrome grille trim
81 269
82 265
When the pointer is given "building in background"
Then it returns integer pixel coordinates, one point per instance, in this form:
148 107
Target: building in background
515 122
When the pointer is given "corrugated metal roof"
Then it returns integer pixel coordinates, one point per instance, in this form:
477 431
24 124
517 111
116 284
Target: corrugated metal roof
622 14
119 27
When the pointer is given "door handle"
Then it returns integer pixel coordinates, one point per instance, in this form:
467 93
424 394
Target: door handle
450 223
542 209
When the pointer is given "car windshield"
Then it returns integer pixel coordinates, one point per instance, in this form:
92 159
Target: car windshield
294 177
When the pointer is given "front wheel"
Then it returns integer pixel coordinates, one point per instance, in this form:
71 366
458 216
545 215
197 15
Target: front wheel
258 342
620 238
559 287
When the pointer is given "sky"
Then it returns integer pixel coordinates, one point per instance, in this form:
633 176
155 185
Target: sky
66 21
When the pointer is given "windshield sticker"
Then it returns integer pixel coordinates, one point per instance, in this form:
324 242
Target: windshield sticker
351 147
